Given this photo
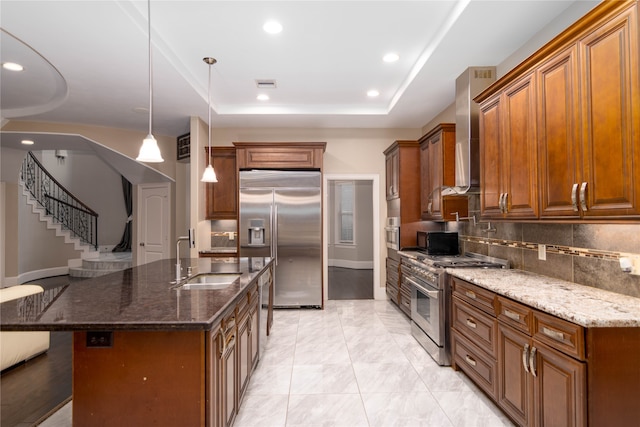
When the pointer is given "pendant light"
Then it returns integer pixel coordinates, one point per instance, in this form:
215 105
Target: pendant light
149 152
209 174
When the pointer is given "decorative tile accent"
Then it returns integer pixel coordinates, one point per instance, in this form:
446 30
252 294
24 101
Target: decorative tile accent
558 249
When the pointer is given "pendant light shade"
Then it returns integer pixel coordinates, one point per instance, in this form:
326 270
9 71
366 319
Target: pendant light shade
149 152
209 174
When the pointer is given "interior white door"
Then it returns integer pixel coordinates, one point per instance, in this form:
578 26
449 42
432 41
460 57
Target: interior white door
153 222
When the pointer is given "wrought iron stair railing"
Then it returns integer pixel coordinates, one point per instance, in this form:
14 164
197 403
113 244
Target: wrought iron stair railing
62 206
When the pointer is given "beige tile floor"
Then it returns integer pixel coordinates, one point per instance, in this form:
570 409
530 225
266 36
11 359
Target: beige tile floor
353 364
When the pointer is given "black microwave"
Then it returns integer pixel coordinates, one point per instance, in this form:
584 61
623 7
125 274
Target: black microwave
438 242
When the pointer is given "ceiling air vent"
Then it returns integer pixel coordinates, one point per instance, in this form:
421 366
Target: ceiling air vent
266 84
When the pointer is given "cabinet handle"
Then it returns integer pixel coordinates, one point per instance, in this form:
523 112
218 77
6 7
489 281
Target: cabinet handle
500 206
471 324
556 335
511 315
525 357
470 294
532 361
574 197
470 360
250 323
429 208
505 205
583 196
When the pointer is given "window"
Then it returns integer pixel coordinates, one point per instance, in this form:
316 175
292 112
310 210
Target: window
345 202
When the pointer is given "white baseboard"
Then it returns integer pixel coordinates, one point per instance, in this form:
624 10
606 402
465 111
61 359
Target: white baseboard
356 265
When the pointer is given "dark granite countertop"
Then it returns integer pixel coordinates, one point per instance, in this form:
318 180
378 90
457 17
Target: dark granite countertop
138 298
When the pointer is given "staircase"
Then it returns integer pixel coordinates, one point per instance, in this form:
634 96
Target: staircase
105 263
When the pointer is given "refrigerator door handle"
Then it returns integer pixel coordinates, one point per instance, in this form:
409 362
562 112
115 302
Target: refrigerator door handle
274 237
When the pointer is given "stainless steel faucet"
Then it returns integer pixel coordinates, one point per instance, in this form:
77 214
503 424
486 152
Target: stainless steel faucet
191 238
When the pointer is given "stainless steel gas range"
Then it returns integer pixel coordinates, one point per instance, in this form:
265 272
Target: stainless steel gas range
431 296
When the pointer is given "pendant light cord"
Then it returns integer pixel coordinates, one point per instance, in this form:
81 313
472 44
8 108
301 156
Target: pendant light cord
209 108
150 68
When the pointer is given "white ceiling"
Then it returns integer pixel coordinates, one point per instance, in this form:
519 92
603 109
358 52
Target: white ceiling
87 62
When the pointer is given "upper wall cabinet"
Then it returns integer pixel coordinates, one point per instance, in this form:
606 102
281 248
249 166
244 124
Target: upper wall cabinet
222 197
573 114
508 152
280 155
437 170
402 183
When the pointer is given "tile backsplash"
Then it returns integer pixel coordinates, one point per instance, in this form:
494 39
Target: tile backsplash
588 254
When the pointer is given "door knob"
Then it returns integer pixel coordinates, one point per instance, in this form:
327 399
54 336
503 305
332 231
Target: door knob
142 244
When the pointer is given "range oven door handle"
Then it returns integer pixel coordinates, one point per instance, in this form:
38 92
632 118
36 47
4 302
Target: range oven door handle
430 294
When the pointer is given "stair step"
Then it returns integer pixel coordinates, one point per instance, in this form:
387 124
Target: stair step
104 263
100 264
87 272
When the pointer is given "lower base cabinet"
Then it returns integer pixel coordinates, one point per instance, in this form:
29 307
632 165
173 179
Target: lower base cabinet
538 385
545 371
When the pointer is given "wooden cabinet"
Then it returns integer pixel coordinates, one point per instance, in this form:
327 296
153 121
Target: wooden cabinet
542 370
280 155
402 188
588 134
610 117
540 385
508 152
222 197
578 99
225 359
474 334
437 170
248 339
393 280
392 175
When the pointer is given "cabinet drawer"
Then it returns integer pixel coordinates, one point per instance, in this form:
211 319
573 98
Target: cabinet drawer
474 295
479 366
559 334
476 325
514 314
405 304
392 291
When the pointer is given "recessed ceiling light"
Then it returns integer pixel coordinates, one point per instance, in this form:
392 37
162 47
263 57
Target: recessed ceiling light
263 97
27 142
373 93
390 57
12 66
272 27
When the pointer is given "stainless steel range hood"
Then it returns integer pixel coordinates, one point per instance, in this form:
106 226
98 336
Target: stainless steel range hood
468 85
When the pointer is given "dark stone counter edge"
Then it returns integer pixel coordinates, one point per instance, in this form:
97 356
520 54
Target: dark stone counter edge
173 325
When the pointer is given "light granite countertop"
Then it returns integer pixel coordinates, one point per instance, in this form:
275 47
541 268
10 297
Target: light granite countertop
582 305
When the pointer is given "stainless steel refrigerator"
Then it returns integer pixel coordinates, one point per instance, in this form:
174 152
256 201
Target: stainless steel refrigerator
280 216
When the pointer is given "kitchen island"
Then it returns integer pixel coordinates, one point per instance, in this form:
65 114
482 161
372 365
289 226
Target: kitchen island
148 352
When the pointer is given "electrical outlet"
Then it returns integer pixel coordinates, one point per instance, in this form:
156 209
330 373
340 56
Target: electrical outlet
542 252
99 339
231 235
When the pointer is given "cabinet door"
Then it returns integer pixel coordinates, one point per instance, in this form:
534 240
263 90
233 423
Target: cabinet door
244 353
491 157
254 334
392 171
610 89
228 380
520 152
560 389
515 387
222 197
214 367
426 197
436 172
558 137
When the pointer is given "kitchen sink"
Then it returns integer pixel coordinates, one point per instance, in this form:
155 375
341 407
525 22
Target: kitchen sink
210 281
